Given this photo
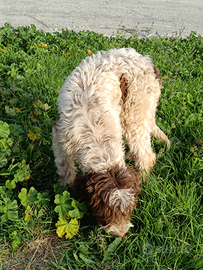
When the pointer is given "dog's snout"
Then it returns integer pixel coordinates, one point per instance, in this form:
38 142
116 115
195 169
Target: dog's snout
121 234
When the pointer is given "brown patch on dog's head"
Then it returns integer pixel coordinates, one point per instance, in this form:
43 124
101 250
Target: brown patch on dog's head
157 74
111 195
124 87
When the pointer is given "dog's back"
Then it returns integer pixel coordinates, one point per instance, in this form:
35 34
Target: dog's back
90 107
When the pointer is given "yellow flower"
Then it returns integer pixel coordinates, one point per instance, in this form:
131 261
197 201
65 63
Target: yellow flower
44 45
64 53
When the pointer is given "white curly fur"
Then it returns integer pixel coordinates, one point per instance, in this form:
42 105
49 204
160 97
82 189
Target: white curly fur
93 116
92 119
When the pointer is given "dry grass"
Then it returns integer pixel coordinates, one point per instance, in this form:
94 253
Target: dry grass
36 254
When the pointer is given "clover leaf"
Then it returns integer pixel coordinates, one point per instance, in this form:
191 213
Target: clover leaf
10 184
9 210
78 211
28 198
63 203
4 129
69 228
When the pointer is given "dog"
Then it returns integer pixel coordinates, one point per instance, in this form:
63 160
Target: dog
110 95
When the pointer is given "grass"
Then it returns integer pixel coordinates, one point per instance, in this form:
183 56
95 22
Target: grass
168 228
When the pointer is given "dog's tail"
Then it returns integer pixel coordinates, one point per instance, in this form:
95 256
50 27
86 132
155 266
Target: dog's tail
160 135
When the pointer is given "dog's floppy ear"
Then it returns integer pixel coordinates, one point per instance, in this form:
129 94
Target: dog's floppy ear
127 191
122 199
112 194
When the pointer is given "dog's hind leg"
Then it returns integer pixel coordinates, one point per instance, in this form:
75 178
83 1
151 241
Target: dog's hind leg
65 164
160 135
141 152
138 122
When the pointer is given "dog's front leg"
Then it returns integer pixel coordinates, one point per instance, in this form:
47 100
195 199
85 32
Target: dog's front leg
65 164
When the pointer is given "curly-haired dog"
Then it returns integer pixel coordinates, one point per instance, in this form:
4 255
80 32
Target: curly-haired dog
109 95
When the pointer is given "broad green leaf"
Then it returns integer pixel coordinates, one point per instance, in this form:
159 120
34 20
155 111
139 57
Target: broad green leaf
10 184
58 189
32 135
35 135
28 213
16 241
19 176
11 215
86 260
3 160
46 107
2 190
13 101
81 207
16 130
9 142
68 228
190 99
9 210
75 204
42 198
28 198
111 249
4 193
76 213
4 143
38 107
76 258
192 117
8 205
22 173
62 198
175 141
63 203
4 129
10 111
5 151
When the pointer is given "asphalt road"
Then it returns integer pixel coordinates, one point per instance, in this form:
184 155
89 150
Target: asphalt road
142 17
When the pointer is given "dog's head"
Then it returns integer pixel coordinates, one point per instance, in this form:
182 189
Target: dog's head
111 195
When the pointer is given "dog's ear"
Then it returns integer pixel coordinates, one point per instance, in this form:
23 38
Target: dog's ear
122 199
117 188
78 188
127 191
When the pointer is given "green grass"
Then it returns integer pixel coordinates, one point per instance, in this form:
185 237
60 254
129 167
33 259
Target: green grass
168 230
